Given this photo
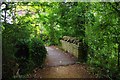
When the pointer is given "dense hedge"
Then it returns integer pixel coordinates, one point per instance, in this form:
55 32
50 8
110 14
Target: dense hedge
22 55
38 52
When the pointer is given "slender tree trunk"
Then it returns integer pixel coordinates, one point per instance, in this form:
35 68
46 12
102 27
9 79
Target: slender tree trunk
5 16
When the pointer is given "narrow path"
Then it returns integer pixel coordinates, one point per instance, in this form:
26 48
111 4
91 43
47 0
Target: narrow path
56 57
58 65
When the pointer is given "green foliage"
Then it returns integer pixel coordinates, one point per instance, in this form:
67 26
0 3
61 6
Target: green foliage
22 56
95 24
102 34
16 48
22 46
8 51
38 52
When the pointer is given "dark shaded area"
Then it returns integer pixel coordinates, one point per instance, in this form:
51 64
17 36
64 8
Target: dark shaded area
22 55
83 57
22 50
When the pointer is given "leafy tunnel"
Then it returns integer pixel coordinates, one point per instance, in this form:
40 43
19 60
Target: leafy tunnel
27 27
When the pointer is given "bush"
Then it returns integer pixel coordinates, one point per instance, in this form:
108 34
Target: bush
17 52
22 46
22 56
30 54
38 52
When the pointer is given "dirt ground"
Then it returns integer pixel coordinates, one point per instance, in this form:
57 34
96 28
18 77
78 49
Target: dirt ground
61 65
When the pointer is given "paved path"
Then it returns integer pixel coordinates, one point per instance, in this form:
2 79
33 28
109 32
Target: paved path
58 65
56 57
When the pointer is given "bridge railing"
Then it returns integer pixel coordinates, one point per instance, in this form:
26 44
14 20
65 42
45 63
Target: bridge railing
73 46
